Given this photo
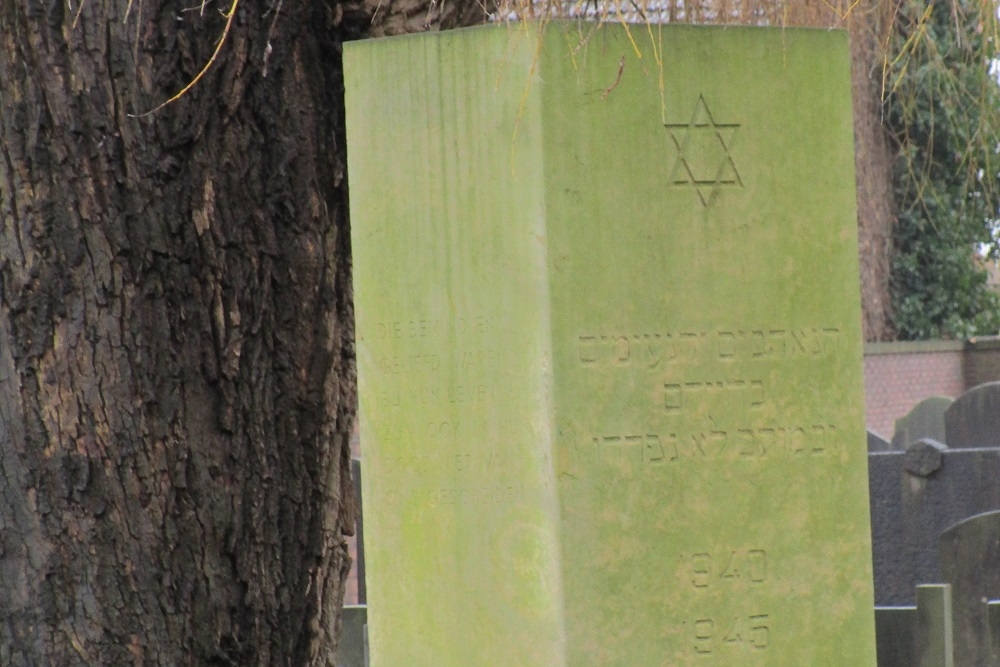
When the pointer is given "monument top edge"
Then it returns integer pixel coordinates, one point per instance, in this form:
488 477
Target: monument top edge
568 23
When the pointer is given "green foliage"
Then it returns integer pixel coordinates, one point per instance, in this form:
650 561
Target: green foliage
943 106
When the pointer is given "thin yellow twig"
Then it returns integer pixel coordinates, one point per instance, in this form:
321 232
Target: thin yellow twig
618 79
523 105
218 47
79 10
628 33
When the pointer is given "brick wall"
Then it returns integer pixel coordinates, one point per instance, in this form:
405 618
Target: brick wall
982 360
900 375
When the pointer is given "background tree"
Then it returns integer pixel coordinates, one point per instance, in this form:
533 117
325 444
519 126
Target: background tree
176 336
943 107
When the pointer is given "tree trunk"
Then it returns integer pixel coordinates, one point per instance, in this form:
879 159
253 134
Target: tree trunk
176 334
873 157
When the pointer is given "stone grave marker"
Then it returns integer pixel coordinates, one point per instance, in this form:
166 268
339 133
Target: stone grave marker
359 533
609 348
973 420
891 563
993 616
970 562
351 651
915 496
895 633
935 632
919 636
876 443
924 457
925 420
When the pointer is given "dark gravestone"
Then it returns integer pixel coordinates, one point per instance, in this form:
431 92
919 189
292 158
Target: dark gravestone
973 420
893 580
895 636
935 631
970 562
877 443
993 614
920 636
924 457
913 500
351 650
925 420
359 532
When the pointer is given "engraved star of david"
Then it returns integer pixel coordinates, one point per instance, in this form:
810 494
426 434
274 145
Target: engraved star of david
703 158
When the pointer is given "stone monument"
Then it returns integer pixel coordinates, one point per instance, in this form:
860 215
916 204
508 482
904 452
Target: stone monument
609 347
925 420
971 421
970 551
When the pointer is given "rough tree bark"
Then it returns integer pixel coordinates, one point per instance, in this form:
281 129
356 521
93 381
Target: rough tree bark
176 329
874 159
176 346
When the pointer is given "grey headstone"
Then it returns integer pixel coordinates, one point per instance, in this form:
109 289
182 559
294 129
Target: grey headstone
935 644
993 614
367 654
894 636
359 532
910 511
894 581
921 636
923 458
877 443
973 420
970 562
925 420
351 651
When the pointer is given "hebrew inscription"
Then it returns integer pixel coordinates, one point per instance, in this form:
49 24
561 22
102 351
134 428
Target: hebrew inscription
737 394
711 395
652 350
649 451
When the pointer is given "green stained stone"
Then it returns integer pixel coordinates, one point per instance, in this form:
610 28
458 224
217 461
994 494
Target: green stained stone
609 348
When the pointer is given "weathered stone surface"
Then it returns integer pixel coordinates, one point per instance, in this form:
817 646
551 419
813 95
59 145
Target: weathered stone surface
923 457
893 573
970 562
925 420
973 420
993 617
918 636
935 629
877 443
351 651
609 348
895 635
359 533
909 513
